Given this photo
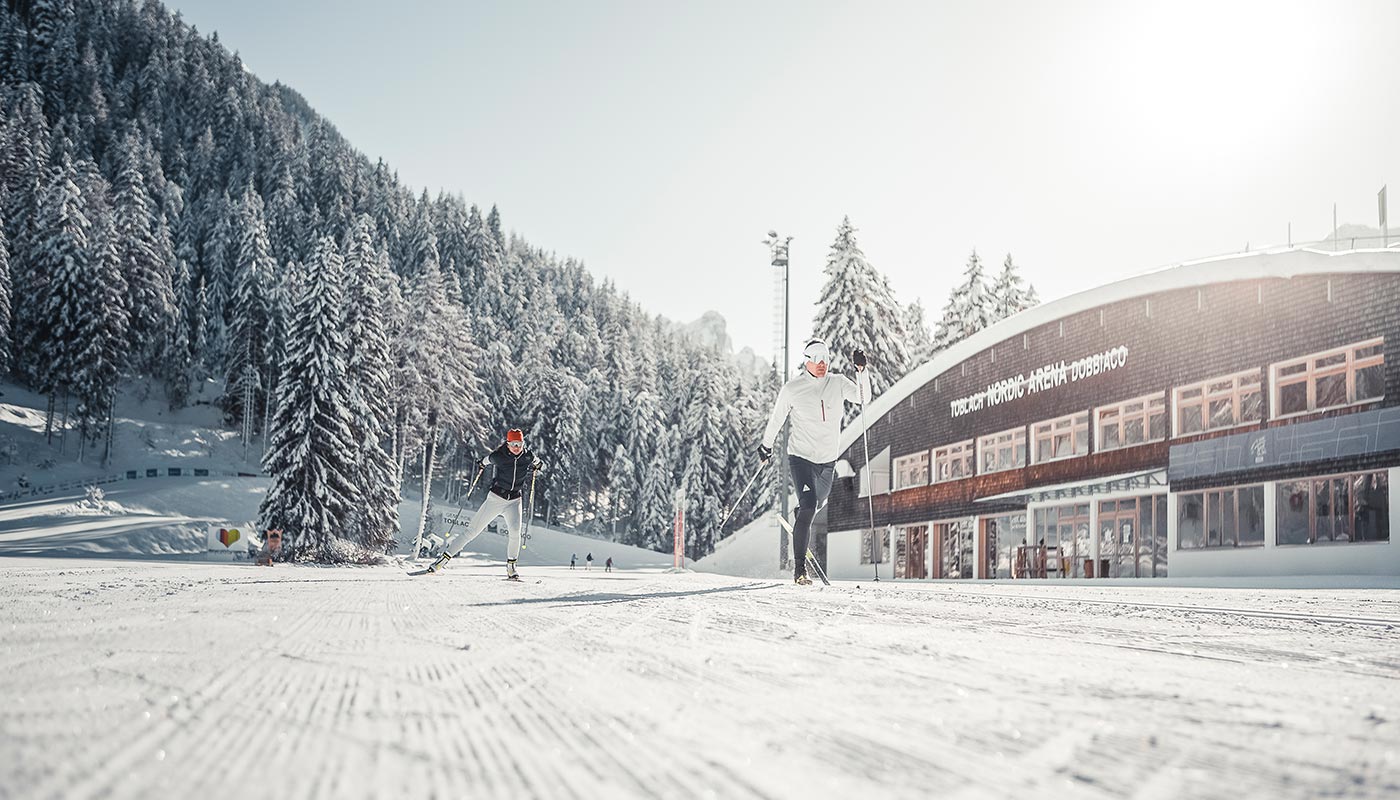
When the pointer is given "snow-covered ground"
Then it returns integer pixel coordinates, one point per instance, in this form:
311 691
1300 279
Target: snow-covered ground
170 679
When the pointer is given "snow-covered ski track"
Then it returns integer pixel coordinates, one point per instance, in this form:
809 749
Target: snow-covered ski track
175 680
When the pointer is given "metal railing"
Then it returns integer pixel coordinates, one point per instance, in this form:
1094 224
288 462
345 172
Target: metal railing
119 477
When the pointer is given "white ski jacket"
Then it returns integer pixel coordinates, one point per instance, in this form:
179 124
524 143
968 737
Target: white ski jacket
816 409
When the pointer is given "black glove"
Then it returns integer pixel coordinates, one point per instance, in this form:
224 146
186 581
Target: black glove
764 453
537 466
858 358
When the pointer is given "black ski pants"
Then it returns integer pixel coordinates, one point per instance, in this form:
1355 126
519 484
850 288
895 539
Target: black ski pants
813 483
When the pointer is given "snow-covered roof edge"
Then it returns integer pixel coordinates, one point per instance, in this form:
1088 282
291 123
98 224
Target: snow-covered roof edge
1279 263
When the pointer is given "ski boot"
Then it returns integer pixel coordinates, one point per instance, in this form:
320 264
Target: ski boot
802 580
511 574
440 562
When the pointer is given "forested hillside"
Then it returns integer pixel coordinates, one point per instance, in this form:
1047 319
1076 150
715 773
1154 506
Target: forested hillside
169 218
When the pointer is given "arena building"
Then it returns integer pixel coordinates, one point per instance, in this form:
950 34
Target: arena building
1236 416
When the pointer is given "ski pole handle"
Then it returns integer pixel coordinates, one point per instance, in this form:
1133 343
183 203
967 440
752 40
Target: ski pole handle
480 468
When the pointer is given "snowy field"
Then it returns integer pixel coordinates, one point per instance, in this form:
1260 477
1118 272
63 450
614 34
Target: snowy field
171 679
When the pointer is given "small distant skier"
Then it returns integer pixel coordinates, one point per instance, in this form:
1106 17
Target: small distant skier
511 466
813 400
608 567
588 562
573 559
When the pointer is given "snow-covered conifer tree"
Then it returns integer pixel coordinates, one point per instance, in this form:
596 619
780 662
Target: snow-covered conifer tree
376 476
858 310
435 371
706 478
1010 293
311 449
151 298
969 308
74 254
917 334
6 350
246 366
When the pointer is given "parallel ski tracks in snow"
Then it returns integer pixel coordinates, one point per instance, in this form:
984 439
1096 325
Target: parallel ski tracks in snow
1321 619
357 683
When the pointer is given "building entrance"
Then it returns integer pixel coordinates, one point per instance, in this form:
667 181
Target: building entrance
1062 542
1003 540
1132 538
911 552
952 555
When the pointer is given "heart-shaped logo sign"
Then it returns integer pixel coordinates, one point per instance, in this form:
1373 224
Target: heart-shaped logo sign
227 536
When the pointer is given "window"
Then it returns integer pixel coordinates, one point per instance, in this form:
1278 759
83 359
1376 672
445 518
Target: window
953 462
1218 403
1231 517
880 468
911 470
1133 422
1341 377
1002 451
1341 508
868 555
1065 437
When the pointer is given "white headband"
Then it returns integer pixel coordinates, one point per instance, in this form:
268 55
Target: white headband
816 351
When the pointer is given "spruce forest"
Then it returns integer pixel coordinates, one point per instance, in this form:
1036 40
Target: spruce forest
172 223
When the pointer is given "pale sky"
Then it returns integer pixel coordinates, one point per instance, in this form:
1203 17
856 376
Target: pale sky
659 141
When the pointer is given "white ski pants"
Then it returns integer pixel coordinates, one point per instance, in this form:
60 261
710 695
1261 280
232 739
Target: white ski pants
494 506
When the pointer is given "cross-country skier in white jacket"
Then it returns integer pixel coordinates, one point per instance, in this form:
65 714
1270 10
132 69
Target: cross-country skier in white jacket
815 401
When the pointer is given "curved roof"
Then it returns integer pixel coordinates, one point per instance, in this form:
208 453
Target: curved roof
1279 263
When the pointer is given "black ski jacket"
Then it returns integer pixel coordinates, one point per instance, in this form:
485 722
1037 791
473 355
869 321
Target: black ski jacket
510 472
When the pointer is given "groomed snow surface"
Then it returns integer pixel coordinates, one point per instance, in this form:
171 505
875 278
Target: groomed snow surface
187 679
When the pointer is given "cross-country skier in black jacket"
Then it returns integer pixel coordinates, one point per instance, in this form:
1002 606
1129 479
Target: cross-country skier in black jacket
512 466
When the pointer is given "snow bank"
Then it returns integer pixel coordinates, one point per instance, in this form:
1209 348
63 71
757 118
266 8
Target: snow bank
547 546
750 552
159 517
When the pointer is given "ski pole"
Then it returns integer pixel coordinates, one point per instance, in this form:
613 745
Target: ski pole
870 472
530 513
447 537
742 494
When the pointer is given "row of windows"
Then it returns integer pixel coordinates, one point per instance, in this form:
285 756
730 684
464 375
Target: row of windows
1341 508
1331 379
1132 536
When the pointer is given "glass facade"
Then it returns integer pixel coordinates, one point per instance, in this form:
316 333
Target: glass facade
1003 539
1062 541
1232 517
1132 538
952 543
911 551
1341 508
